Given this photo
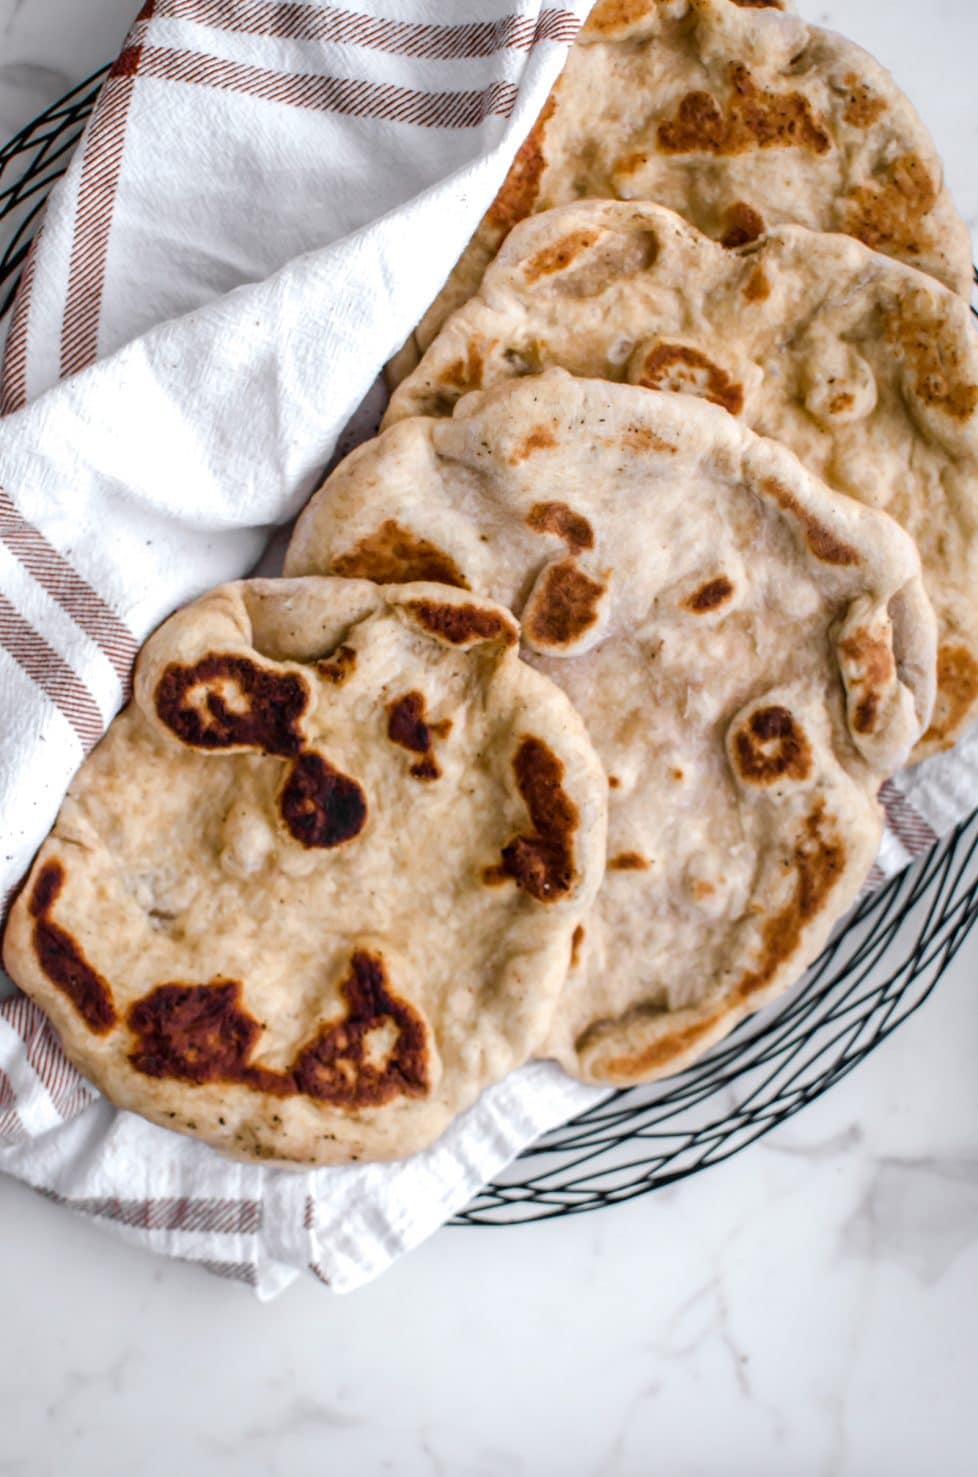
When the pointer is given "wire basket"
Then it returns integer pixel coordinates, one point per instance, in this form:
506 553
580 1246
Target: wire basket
879 967
30 163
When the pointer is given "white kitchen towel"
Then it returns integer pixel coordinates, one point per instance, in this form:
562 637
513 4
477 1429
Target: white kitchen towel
265 200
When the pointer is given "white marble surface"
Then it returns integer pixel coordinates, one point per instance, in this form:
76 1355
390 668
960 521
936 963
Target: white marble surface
808 1310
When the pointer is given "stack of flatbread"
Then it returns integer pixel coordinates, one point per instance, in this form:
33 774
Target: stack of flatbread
562 735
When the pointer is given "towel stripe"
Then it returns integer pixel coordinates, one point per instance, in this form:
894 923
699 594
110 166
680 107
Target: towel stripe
13 379
905 821
66 586
245 1272
216 1217
328 25
12 1131
101 166
51 674
353 97
67 1089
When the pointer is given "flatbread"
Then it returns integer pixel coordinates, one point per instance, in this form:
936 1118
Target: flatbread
317 886
751 653
740 118
866 368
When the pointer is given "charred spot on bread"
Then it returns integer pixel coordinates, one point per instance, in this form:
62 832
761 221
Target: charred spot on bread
228 701
62 958
541 862
321 806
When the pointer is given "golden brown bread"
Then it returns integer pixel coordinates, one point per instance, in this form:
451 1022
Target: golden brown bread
865 368
739 117
317 885
752 655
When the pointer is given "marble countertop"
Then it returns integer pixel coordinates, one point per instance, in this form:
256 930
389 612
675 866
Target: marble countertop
809 1309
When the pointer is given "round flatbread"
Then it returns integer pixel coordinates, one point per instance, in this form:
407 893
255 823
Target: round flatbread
866 368
317 886
752 654
740 118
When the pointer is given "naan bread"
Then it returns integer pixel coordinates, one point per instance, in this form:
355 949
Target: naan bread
317 886
752 654
866 368
740 118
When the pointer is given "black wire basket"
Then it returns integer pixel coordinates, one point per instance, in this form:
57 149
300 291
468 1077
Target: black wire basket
879 967
30 163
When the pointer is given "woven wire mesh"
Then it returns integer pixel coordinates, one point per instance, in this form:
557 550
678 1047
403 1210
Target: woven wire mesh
879 967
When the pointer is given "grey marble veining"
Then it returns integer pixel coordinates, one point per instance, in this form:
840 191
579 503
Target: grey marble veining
808 1310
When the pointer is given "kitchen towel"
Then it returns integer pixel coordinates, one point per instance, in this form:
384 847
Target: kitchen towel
264 201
